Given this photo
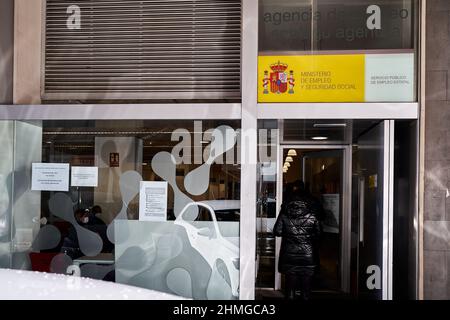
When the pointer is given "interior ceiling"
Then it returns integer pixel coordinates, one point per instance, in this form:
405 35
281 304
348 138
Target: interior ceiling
157 134
338 131
79 136
79 131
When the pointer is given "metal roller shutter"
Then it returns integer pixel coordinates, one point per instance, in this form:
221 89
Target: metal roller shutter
172 49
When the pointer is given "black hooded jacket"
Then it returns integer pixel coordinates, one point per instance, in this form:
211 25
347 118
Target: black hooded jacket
299 227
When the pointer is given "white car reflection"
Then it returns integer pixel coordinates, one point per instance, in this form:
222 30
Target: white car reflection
32 285
220 253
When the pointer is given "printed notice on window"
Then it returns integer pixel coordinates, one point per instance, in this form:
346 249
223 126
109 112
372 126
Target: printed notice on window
153 201
84 177
50 177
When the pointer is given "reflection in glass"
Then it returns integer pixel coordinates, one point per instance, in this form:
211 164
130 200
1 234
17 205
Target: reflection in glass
94 230
304 25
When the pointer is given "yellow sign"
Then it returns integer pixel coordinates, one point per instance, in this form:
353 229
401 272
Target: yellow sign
311 78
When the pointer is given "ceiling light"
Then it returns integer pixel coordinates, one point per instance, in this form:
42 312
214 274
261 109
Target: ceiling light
319 138
329 125
292 153
289 159
287 164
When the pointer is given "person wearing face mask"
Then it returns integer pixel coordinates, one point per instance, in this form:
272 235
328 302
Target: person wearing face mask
84 216
94 213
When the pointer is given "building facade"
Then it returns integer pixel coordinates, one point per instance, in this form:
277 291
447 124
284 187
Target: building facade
186 123
435 270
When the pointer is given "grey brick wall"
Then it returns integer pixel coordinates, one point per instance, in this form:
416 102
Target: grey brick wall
437 152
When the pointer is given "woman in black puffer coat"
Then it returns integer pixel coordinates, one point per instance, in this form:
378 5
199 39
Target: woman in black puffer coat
299 227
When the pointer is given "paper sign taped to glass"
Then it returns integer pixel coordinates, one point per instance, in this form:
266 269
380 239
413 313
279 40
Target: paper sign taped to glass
336 78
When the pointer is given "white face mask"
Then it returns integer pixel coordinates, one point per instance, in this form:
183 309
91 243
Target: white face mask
85 220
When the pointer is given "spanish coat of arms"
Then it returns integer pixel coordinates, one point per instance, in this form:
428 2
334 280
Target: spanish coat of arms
280 81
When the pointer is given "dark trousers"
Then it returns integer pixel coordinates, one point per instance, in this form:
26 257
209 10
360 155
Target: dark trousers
298 286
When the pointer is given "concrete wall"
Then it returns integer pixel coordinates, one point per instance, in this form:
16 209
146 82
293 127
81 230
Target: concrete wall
6 50
436 238
27 51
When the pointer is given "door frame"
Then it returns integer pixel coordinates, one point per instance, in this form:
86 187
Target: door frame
388 209
388 150
345 253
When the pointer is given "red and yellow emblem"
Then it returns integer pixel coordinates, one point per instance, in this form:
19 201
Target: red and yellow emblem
280 81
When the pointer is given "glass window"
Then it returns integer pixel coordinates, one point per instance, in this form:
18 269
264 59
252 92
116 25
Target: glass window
319 131
266 210
6 191
153 204
284 25
337 51
364 24
303 25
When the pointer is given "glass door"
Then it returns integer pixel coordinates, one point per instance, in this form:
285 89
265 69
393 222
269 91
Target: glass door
325 171
374 164
323 178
